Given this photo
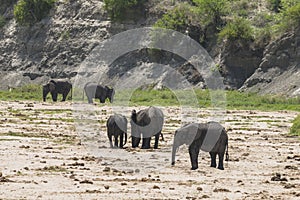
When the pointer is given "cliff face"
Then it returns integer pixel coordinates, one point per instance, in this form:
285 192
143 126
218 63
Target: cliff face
56 46
279 70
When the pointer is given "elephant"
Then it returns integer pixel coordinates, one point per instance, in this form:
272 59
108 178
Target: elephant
210 137
117 127
144 124
93 90
56 87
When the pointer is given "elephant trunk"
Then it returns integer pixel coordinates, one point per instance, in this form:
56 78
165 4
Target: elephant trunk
174 149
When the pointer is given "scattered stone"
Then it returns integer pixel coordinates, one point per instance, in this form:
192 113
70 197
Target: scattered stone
291 167
123 183
171 188
76 164
106 187
204 196
156 187
24 147
0 174
85 182
137 171
199 188
221 190
4 180
43 161
48 147
106 169
289 186
277 177
239 181
26 168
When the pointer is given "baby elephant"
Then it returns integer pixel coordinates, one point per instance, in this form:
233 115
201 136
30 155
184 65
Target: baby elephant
117 127
210 137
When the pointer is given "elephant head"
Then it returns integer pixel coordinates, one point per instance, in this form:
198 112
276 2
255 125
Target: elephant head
49 87
110 92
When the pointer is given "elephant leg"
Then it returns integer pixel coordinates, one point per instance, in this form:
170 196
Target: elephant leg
110 140
64 96
213 156
156 140
135 141
146 143
221 158
194 152
90 99
116 140
121 140
54 96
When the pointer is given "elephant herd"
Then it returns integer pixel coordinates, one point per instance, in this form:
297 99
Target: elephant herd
209 137
92 90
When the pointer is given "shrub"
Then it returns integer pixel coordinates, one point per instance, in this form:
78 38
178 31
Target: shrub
177 19
295 129
237 29
212 11
116 8
27 12
292 15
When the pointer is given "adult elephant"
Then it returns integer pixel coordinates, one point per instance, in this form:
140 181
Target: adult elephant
144 124
210 137
55 87
93 90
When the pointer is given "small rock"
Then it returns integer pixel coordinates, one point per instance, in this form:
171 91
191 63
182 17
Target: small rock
123 184
137 171
86 182
204 196
156 187
289 186
171 188
106 169
199 188
106 187
291 167
221 190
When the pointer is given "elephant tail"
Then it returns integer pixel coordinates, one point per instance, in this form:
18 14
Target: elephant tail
125 134
227 155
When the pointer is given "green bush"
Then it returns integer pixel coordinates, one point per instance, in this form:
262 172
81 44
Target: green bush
27 12
237 29
295 129
177 19
292 15
212 11
117 8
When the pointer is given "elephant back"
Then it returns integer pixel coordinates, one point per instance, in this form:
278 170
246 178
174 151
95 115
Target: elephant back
149 121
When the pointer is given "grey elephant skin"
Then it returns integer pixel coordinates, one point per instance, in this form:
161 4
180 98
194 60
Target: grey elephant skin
210 137
117 127
56 87
144 124
93 90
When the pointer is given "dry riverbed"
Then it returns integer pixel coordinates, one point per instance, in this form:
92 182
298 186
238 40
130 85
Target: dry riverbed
42 156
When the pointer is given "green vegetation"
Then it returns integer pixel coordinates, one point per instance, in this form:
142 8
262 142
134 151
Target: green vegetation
241 21
28 12
295 129
28 92
238 29
117 8
166 97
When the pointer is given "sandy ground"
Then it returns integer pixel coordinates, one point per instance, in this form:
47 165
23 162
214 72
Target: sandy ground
43 155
